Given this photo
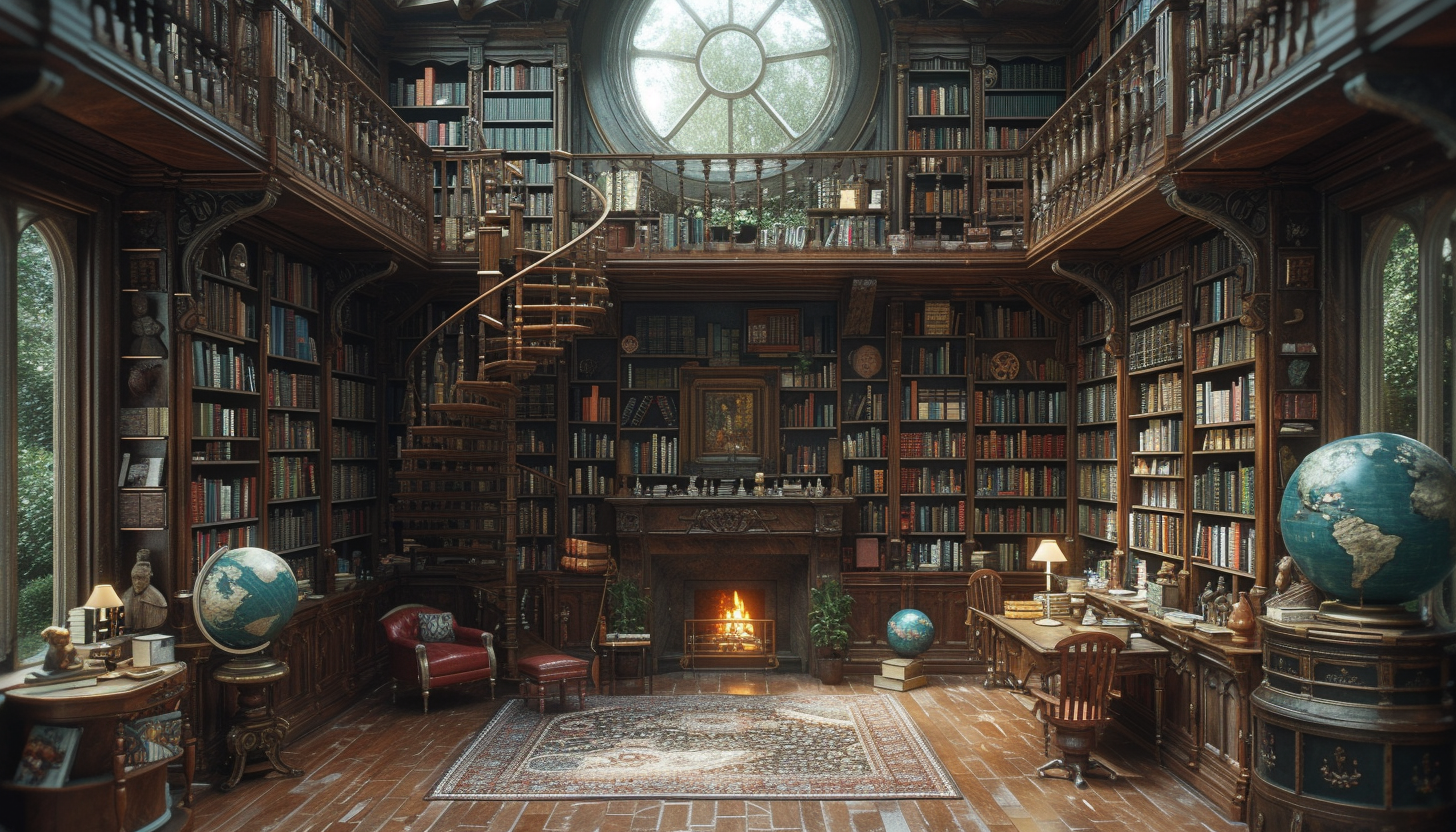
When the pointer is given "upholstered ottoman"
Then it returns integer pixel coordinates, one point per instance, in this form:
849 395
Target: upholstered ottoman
539 672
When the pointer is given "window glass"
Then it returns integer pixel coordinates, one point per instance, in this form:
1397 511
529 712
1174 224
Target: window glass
36 381
731 76
1448 343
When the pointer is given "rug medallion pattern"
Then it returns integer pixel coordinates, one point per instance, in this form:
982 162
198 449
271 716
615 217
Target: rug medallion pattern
702 746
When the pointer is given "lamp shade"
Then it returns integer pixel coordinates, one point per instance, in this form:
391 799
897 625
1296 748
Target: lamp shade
103 597
1048 552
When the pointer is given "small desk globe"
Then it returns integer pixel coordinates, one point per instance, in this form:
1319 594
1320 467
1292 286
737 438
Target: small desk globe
1371 520
909 633
244 598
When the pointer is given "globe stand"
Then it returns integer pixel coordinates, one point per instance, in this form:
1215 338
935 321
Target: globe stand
255 742
1370 615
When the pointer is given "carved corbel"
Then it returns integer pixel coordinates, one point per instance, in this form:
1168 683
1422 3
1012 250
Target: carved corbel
350 280
1242 213
1105 282
201 216
1427 99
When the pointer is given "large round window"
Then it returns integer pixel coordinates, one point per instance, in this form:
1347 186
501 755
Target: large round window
725 76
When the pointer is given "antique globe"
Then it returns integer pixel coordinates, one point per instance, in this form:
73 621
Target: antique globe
909 633
1371 520
244 598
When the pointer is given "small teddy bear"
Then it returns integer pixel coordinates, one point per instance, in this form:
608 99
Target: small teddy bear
61 656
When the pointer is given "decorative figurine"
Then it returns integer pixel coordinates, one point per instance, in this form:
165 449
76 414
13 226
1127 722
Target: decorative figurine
1089 618
146 606
146 344
60 652
758 489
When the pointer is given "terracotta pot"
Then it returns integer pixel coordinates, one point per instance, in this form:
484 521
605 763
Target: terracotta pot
831 671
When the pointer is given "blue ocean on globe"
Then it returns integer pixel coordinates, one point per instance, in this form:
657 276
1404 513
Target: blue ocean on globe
909 633
1371 519
244 598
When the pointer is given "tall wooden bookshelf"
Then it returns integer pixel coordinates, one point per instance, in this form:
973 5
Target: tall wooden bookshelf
592 454
940 99
518 114
353 442
1021 93
1096 440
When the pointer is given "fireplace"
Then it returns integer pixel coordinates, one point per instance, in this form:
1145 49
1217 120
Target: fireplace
729 626
692 551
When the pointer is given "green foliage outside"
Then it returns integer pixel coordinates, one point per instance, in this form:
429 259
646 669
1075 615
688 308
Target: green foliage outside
36 342
1400 352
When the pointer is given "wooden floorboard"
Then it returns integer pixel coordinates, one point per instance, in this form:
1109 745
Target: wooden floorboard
369 771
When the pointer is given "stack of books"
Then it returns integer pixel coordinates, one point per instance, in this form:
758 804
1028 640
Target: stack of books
901 674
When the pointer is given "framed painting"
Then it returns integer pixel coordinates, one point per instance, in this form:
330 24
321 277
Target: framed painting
729 421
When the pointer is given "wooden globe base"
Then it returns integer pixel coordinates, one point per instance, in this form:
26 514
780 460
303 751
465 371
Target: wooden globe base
1370 615
255 742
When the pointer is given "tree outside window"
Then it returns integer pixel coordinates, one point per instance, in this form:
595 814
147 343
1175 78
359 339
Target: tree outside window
36 358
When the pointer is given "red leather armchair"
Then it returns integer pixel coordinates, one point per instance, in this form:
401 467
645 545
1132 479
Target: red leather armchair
430 665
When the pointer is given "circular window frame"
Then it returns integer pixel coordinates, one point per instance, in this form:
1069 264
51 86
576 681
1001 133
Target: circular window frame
610 97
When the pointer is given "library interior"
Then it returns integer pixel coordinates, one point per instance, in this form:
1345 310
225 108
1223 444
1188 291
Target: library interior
727 414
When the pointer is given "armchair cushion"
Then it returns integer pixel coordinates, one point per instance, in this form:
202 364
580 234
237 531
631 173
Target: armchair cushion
437 627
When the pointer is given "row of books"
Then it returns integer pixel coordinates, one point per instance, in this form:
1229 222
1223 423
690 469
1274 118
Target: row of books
1160 343
353 357
289 432
223 368
806 459
1097 444
428 92
352 481
536 518
1041 407
519 138
207 541
666 334
518 109
1157 467
211 419
287 389
638 376
807 414
1097 403
1092 321
872 521
916 480
1097 481
535 441
1161 436
851 232
1004 203
1213 405
938 138
944 359
995 320
1007 138
1163 393
1020 445
1023 105
954 201
1155 299
868 406
657 454
1020 520
218 500
935 517
144 421
1157 532
354 521
1298 406
289 335
1032 75
353 399
1097 521
592 480
1161 494
866 479
292 477
141 509
1213 255
1006 168
1021 481
935 556
1225 345
1166 263
938 100
583 519
1218 300
943 443
1220 490
933 403
586 444
1228 439
437 133
293 282
723 346
536 401
292 528
1230 545
530 483
228 311
864 444
518 77
826 376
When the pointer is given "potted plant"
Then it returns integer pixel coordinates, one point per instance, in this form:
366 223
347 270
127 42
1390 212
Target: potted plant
628 606
829 628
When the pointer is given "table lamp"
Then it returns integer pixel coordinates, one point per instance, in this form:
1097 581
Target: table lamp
1049 553
104 598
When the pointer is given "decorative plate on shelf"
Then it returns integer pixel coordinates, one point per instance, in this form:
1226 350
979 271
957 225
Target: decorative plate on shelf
990 74
1005 366
629 344
866 361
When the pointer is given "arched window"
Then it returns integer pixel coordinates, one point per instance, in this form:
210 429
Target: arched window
1399 347
37 459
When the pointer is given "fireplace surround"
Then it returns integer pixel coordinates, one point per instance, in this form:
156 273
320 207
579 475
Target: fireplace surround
779 546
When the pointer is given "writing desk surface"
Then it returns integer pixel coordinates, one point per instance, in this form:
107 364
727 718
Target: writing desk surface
1044 639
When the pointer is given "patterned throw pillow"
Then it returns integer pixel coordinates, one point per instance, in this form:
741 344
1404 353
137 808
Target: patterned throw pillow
437 626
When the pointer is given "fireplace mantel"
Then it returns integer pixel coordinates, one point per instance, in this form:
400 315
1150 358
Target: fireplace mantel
731 535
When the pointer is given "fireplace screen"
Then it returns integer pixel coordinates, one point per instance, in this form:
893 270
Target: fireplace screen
736 636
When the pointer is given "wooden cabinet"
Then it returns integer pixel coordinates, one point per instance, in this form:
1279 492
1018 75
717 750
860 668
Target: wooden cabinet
879 595
99 793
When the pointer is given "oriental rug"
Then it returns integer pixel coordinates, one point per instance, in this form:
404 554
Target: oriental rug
701 747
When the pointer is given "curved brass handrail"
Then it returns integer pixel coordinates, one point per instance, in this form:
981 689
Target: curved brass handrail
510 281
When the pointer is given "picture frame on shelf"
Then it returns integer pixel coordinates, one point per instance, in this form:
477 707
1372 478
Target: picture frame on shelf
49 753
144 272
730 420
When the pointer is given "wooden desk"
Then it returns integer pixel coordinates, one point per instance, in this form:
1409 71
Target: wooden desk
616 650
1036 646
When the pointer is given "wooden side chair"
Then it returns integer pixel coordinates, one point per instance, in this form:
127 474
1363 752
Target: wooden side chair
983 594
1079 711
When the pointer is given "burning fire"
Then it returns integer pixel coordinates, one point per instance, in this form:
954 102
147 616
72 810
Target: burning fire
735 618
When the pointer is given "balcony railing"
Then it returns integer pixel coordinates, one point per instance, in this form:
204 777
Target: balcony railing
1111 131
1236 47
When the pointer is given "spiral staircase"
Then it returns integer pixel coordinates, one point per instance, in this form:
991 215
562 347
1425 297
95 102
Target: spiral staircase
454 502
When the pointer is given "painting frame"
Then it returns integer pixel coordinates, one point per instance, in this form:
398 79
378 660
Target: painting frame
729 421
